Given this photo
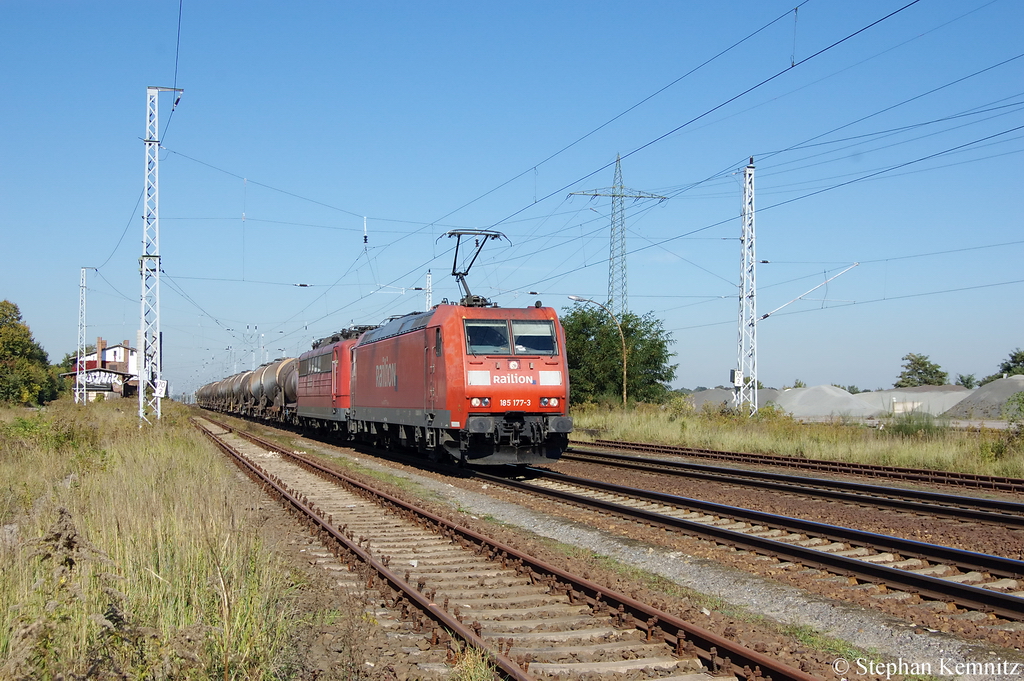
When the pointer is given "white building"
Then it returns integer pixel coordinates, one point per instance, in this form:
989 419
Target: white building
110 371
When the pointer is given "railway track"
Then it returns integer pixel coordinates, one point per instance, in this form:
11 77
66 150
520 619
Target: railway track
975 581
970 509
534 619
972 480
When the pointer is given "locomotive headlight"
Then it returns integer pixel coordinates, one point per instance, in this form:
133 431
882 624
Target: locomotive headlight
475 402
549 401
480 401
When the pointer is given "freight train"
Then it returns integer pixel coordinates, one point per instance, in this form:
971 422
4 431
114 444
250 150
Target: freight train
478 383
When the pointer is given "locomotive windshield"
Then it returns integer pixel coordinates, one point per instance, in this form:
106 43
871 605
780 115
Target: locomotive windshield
491 337
533 337
487 337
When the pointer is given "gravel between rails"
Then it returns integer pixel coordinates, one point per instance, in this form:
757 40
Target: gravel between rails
886 636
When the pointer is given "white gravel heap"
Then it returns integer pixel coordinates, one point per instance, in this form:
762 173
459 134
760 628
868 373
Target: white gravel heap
828 401
925 399
714 396
824 401
718 395
987 401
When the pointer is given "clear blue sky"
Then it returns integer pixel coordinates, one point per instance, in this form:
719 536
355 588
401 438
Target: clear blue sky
898 148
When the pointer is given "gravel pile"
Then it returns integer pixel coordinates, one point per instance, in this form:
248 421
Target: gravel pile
988 400
719 395
822 401
828 401
927 399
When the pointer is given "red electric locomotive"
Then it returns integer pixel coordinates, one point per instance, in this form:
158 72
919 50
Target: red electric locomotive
484 384
324 381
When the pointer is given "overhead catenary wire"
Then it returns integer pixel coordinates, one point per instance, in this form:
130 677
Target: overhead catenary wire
646 99
903 102
724 103
660 243
917 36
763 155
562 274
533 167
804 60
557 153
660 246
866 302
903 128
177 51
799 198
138 202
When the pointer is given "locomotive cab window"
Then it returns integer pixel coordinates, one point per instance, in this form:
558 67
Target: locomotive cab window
317 364
534 337
487 337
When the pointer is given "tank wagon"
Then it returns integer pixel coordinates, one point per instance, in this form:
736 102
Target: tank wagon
267 393
477 383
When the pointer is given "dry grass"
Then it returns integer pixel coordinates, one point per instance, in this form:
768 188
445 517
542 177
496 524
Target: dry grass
471 664
125 553
908 441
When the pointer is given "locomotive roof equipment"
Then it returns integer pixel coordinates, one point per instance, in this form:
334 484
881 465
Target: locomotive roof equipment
470 300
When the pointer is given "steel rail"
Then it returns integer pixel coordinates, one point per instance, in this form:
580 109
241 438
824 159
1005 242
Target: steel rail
979 481
442 617
708 644
995 511
1006 567
974 598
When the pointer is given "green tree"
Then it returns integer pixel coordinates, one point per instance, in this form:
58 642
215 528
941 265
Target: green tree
1013 366
25 373
67 364
594 356
917 370
1013 412
967 380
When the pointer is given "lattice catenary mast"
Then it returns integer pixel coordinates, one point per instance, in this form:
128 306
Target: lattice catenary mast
745 376
80 395
151 383
617 298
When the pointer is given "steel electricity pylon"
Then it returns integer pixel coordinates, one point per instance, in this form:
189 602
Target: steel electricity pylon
617 297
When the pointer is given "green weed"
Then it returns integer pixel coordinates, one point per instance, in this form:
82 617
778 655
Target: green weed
130 555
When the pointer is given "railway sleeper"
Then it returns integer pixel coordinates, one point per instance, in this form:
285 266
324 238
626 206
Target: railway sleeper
644 645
